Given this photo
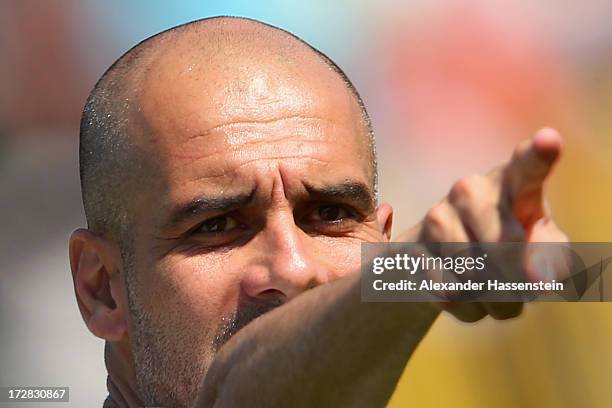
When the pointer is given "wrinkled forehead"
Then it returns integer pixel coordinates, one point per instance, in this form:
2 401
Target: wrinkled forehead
203 112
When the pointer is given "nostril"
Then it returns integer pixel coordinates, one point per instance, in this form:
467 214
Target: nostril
272 295
314 283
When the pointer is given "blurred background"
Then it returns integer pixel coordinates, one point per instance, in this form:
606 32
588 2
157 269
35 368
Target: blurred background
451 87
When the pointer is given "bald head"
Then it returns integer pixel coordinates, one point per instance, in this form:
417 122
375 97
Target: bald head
234 166
236 65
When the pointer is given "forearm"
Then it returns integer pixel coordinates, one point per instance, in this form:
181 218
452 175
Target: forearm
324 348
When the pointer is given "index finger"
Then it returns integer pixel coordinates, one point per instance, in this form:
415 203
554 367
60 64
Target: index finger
531 163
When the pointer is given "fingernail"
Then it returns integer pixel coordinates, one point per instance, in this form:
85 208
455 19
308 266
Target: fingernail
547 142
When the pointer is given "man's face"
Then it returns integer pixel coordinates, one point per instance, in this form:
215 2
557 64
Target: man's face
263 190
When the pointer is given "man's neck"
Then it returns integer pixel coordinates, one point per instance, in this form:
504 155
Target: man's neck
121 381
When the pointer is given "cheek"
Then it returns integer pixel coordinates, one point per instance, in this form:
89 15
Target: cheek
341 255
199 288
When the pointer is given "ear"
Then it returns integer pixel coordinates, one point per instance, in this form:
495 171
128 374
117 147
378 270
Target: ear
384 214
95 262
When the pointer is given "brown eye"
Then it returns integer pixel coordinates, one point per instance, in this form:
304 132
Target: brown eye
218 224
333 212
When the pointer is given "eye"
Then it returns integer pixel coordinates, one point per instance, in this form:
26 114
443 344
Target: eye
217 225
333 213
330 219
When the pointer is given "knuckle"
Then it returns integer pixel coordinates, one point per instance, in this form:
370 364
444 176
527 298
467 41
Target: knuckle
506 310
435 215
563 237
521 150
467 189
515 311
559 235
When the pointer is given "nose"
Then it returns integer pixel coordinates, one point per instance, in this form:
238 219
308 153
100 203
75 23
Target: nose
287 262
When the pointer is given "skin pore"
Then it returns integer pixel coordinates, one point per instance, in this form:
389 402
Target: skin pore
252 187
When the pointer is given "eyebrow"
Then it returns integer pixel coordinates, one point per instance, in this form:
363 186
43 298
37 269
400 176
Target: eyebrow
355 192
202 205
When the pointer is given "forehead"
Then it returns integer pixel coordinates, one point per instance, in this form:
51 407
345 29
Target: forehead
207 117
188 89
